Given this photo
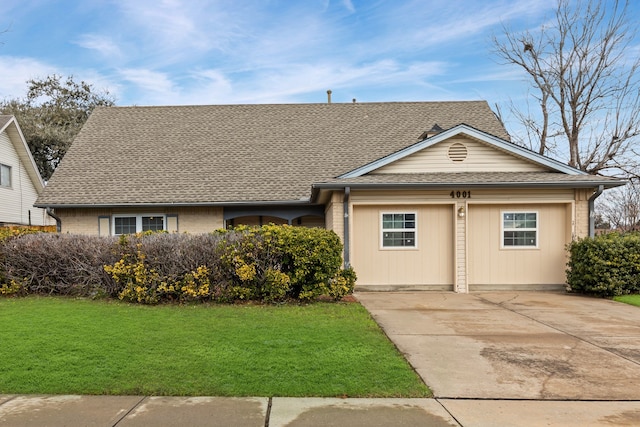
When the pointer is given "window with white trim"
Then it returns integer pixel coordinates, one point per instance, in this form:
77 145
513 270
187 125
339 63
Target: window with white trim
398 229
519 229
5 176
130 224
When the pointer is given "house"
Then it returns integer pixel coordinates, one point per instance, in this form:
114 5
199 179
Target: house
424 195
20 181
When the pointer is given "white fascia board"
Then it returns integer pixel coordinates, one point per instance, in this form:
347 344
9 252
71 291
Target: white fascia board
471 132
24 153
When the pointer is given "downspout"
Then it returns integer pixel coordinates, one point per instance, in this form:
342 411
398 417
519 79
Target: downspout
592 213
345 204
57 218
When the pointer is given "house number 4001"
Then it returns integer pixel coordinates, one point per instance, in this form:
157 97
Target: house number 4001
460 194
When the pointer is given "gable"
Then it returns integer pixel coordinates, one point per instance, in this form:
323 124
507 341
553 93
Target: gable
15 147
19 196
466 132
460 154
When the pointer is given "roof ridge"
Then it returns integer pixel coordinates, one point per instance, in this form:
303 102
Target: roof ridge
292 104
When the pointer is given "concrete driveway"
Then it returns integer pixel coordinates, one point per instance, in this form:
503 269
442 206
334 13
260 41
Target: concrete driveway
515 345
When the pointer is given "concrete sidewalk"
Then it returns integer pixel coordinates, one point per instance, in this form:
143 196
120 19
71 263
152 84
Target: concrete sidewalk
130 411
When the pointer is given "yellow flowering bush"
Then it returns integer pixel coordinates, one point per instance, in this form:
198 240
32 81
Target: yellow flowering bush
16 231
139 282
196 284
13 287
245 272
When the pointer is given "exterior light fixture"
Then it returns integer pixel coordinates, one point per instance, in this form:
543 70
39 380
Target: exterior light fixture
461 212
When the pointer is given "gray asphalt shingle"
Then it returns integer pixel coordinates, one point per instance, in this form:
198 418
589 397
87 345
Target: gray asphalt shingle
239 153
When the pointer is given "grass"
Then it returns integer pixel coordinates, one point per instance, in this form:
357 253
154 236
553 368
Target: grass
629 299
76 346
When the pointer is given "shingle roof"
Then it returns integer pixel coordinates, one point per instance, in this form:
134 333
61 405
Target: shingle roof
239 153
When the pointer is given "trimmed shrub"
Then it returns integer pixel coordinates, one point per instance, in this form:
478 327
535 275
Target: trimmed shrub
605 265
269 264
62 264
276 262
155 267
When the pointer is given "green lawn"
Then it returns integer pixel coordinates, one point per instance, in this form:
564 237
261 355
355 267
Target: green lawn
629 299
76 346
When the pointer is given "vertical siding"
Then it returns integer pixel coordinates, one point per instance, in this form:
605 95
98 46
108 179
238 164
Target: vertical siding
480 158
431 264
16 202
489 265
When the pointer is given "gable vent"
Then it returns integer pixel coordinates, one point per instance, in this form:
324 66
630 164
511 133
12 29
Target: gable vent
457 152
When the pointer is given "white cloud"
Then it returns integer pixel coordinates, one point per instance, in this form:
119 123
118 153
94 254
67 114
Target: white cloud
15 73
103 45
349 5
148 80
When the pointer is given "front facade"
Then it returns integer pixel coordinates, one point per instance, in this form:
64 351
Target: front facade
458 209
20 181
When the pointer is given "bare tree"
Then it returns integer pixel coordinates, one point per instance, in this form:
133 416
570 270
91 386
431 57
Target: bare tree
585 79
620 207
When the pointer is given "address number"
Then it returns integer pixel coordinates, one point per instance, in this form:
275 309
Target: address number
460 194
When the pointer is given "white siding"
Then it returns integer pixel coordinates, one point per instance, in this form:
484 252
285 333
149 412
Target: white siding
480 158
16 202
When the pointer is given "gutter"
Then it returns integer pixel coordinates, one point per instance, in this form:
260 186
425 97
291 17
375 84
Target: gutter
345 207
57 218
449 185
300 202
592 213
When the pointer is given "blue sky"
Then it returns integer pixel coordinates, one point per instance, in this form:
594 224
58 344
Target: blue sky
175 52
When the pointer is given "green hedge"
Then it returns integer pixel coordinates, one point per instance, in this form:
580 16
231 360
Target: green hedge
605 265
269 264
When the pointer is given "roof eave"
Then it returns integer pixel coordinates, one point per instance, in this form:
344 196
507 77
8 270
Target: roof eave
169 204
448 185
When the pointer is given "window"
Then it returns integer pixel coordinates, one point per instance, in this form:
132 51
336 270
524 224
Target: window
129 224
399 230
5 176
520 229
152 223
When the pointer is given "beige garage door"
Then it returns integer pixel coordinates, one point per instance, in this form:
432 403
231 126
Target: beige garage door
517 246
426 263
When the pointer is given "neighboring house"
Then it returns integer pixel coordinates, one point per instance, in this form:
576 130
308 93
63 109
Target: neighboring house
20 181
425 195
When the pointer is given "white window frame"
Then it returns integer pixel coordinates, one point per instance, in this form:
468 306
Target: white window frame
138 218
2 183
414 230
504 229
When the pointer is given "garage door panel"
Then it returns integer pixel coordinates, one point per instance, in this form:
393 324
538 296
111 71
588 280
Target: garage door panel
431 263
491 265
